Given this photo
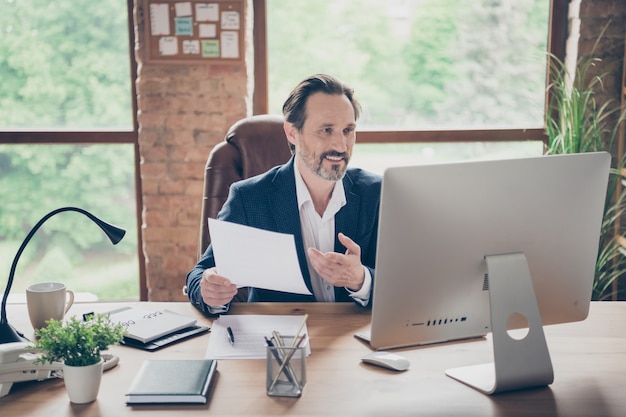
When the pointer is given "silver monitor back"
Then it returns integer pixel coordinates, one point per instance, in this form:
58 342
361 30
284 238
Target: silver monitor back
438 222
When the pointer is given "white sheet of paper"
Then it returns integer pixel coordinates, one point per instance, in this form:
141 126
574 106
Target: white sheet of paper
191 46
230 44
183 8
159 19
207 30
207 12
230 20
252 257
249 331
168 45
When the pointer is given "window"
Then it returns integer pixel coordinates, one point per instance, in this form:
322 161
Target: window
68 138
434 71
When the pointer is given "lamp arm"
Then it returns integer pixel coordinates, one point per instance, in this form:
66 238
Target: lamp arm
103 225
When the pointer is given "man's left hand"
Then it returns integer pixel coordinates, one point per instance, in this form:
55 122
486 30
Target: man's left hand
341 270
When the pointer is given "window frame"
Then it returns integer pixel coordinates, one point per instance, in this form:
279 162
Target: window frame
25 136
557 33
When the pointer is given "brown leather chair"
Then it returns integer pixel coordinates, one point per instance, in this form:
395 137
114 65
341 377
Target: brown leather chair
252 146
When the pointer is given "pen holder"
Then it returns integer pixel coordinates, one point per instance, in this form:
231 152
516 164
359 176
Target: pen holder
286 370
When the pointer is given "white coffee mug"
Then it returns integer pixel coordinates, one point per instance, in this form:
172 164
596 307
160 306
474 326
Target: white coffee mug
48 300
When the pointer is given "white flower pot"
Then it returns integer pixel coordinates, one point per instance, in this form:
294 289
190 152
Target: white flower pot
82 382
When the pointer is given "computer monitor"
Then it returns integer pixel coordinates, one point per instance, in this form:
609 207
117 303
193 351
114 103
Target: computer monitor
466 248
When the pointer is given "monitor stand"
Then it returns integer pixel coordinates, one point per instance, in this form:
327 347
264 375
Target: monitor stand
518 364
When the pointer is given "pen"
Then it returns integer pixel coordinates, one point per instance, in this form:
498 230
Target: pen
230 335
302 323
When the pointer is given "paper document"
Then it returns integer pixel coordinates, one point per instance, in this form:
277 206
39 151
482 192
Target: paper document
249 332
252 257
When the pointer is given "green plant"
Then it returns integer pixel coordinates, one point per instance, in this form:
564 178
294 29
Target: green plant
577 123
78 343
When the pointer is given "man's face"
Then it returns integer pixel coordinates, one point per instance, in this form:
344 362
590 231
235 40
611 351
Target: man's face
325 143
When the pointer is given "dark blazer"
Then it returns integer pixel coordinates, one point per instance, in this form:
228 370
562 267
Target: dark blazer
268 201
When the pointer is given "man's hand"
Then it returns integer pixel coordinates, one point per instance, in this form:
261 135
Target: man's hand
216 290
340 270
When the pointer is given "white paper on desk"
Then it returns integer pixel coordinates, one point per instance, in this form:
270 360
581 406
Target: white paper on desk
249 331
251 257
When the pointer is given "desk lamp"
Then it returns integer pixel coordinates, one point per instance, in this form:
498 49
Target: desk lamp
7 333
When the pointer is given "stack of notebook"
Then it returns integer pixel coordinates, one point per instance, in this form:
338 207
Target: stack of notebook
151 330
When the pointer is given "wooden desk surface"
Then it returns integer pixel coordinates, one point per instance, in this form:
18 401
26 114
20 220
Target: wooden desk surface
589 360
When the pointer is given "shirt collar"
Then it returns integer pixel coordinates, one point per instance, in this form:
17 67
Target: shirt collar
337 199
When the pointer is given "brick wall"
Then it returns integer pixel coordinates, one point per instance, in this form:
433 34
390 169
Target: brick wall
183 111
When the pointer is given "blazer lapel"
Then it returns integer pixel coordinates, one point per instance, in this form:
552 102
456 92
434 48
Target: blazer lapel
284 208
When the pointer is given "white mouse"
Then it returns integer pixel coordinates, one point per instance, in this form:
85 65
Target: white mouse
387 360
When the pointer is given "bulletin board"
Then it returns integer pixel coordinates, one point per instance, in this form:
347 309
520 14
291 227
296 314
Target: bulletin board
205 31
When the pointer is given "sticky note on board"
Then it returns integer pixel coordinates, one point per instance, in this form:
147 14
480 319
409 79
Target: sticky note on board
210 49
183 26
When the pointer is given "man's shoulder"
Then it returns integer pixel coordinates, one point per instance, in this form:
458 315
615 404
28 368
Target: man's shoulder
259 181
362 178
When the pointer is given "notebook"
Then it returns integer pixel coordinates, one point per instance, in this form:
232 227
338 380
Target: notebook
184 381
167 340
146 325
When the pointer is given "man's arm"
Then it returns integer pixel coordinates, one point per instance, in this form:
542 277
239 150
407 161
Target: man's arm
194 278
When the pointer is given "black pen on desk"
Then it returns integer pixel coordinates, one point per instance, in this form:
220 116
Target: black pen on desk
231 336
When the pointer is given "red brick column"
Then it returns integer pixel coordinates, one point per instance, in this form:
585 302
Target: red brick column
183 111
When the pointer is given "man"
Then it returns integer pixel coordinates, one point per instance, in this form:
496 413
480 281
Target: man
331 210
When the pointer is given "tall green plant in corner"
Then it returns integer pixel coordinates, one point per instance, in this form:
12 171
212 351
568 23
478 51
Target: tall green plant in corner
577 123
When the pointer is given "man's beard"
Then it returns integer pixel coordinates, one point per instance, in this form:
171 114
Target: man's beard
338 169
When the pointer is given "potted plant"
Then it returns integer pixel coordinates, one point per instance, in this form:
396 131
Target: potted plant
77 345
577 123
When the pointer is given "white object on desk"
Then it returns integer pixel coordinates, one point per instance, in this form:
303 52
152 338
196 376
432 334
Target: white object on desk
249 332
146 325
387 360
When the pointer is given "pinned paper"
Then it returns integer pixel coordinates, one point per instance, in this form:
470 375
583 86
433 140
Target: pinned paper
168 45
230 20
207 12
230 44
191 46
183 8
210 49
159 19
184 26
207 30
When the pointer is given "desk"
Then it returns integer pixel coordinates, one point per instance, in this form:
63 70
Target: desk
589 360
